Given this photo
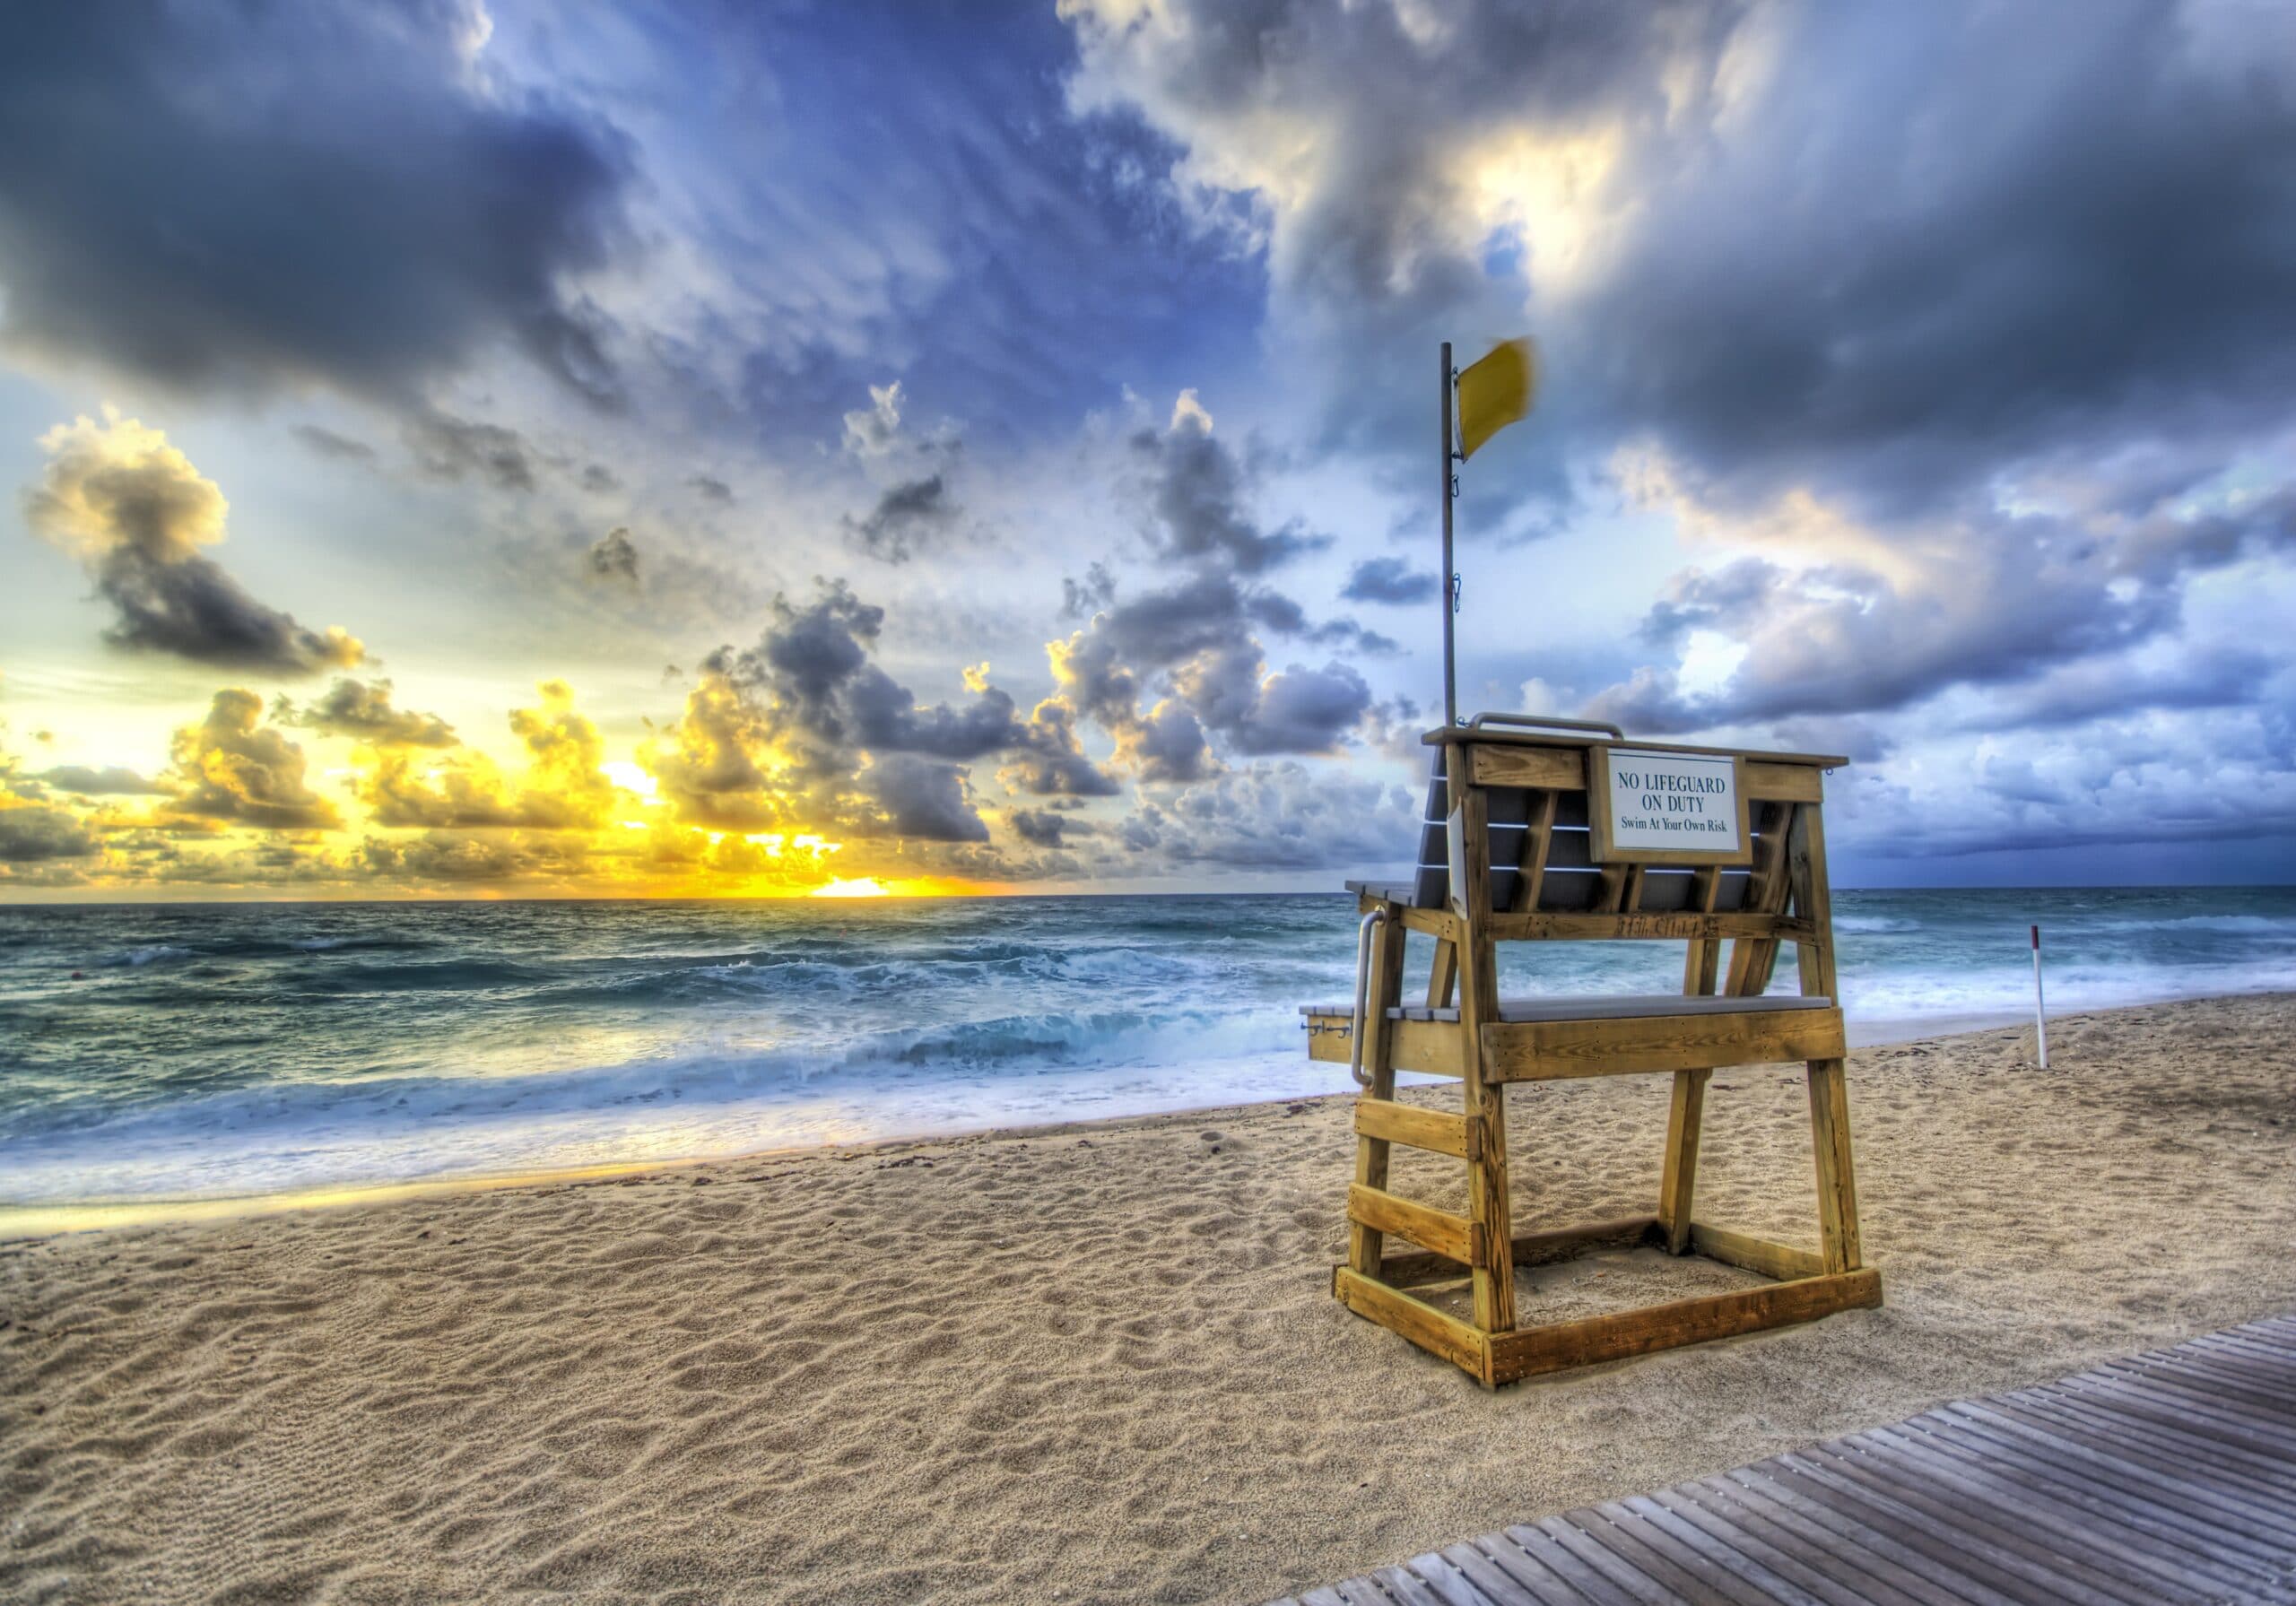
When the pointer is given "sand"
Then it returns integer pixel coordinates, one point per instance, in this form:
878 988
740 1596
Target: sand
1081 1365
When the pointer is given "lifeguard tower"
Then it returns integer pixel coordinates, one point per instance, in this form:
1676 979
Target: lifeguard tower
1547 830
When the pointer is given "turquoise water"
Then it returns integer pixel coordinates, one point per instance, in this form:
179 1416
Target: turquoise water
226 1050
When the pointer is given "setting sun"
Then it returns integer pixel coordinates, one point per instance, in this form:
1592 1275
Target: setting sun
867 886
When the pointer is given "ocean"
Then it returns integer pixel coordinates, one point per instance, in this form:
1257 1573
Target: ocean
176 1053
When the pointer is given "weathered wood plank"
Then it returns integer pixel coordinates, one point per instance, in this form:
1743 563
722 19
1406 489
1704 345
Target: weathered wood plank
1538 1349
1678 925
1482 1099
1385 990
1550 1050
1430 1329
1782 1260
1455 1236
1429 1047
1438 1131
1541 1247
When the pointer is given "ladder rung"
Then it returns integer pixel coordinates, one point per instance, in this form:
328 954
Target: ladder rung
1453 1237
1436 1131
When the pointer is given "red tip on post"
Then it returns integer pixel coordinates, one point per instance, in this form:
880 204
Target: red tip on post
2037 939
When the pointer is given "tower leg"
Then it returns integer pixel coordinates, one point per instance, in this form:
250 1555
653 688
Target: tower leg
1836 1177
1365 1244
1679 1183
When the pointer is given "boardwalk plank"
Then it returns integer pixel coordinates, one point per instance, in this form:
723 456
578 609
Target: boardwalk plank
2176 1539
1550 1553
1752 1537
1850 1555
2016 1525
2172 1467
1510 1557
2168 1477
1447 1581
1406 1586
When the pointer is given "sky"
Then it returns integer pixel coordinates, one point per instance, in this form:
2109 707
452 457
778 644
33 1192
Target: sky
704 448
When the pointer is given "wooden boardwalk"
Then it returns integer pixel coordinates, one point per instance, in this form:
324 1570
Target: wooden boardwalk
2166 1477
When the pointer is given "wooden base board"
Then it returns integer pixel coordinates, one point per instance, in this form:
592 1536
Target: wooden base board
1497 1357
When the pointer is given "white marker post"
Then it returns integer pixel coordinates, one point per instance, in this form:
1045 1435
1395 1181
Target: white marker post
2040 1016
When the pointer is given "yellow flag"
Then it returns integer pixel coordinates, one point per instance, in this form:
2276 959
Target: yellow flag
1495 392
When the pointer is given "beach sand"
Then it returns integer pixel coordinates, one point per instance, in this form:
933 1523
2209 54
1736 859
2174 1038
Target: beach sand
1085 1364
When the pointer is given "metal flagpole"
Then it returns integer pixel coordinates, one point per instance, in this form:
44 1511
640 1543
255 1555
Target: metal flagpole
1450 580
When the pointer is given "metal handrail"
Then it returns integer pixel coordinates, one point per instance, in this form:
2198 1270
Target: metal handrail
1546 721
1377 917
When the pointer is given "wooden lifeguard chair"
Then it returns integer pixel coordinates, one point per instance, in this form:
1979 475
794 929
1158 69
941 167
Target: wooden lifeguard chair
1562 829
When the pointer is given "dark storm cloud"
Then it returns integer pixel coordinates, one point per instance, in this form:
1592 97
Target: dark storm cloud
362 711
613 556
923 800
2085 234
136 513
81 780
36 833
906 518
806 730
1042 827
244 197
1196 491
1389 580
712 490
1950 312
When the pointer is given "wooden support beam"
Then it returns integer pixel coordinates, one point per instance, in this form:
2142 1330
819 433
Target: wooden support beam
1483 1100
1678 1180
1837 1176
1455 1237
1541 1249
1430 1329
1537 1349
1677 925
1442 975
1431 1047
1439 924
1438 1131
1564 769
1554 1050
1364 1243
1538 838
1782 1260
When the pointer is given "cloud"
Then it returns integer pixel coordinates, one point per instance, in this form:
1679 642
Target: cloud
136 512
454 449
1043 828
1963 345
230 767
324 442
805 731
1389 580
872 430
1194 638
331 191
362 711
712 490
112 781
36 833
615 557
906 517
1196 491
563 788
